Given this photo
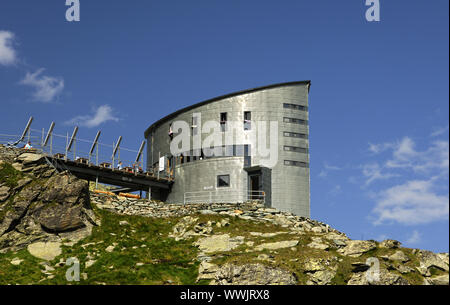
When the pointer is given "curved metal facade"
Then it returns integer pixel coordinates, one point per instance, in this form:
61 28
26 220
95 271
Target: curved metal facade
286 184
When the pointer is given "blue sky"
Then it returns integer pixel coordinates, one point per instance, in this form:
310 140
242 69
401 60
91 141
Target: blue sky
378 102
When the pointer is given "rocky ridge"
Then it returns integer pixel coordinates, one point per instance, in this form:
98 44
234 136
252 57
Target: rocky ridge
38 204
395 266
42 210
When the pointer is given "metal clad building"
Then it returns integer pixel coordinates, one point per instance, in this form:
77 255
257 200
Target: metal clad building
286 185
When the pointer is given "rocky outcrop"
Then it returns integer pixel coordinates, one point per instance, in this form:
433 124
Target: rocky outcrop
355 248
219 243
252 274
383 277
39 204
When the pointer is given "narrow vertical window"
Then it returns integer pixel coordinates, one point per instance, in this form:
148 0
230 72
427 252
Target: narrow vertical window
170 131
247 120
194 125
223 121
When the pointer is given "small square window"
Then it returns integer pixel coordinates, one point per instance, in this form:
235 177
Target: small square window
223 181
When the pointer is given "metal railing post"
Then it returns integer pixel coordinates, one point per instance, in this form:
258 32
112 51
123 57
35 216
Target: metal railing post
112 166
67 144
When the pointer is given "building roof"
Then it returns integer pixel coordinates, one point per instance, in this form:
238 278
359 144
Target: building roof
174 114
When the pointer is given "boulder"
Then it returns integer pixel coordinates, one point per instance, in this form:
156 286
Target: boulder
207 271
428 259
252 274
384 278
219 243
437 280
45 250
317 243
399 256
277 245
313 265
356 248
390 244
4 193
338 240
29 158
322 277
46 209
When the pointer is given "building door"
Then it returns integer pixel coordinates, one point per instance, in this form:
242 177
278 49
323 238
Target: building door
255 186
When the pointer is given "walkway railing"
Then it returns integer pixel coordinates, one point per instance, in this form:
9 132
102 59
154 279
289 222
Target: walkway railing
90 152
223 196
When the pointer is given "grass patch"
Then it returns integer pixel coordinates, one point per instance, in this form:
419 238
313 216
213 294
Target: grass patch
9 176
142 241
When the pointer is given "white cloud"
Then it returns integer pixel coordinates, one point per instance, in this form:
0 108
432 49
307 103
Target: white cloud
324 172
102 114
378 148
415 238
7 52
436 157
373 172
414 202
439 131
406 156
46 87
336 190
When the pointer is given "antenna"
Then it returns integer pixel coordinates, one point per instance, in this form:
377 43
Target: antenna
74 134
49 133
95 142
140 151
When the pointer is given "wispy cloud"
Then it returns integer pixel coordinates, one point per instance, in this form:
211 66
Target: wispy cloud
434 157
414 202
326 168
439 131
415 237
373 172
336 190
46 88
101 115
7 52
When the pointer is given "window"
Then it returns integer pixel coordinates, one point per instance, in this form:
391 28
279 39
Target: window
294 121
295 107
295 135
296 149
295 163
247 120
194 125
170 131
223 181
247 156
223 121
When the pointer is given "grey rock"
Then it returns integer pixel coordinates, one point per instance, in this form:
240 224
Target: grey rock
277 245
252 274
390 244
399 256
356 248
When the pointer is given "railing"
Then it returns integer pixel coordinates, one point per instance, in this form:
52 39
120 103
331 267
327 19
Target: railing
81 151
223 196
